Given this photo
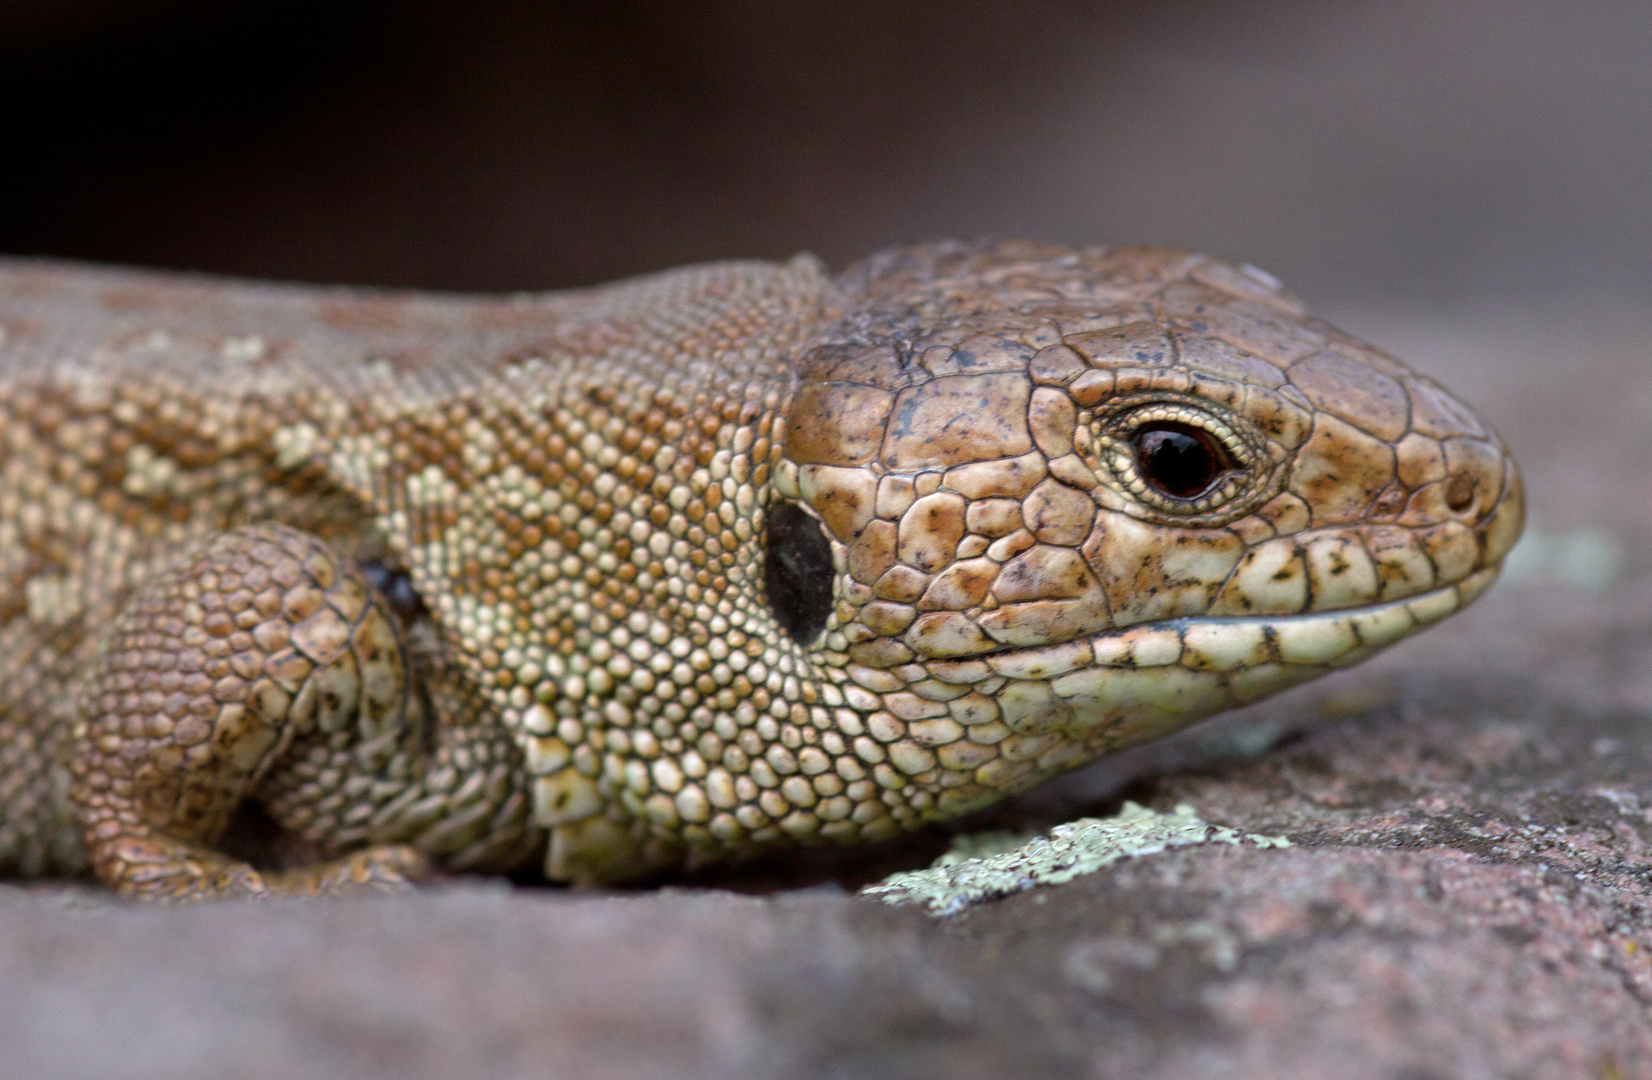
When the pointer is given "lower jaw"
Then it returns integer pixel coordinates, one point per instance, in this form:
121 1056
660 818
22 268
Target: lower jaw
1127 686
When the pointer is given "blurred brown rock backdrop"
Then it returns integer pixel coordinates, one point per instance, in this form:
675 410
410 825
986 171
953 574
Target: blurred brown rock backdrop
1407 149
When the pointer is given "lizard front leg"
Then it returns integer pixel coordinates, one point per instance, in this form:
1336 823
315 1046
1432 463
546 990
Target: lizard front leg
255 651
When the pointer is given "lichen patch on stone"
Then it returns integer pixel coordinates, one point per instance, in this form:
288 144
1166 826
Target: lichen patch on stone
992 865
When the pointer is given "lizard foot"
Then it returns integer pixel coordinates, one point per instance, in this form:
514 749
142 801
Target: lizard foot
160 868
257 649
167 870
385 868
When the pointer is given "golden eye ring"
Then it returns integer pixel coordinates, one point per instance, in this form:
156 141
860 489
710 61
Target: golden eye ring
1178 458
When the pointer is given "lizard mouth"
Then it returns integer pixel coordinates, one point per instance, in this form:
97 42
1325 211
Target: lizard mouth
1132 684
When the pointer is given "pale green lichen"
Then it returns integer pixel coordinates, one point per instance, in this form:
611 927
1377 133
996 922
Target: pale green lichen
989 865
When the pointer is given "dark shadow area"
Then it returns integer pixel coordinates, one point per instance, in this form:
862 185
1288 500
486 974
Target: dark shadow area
1413 150
498 144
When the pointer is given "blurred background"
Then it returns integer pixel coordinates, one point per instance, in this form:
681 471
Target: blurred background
1443 151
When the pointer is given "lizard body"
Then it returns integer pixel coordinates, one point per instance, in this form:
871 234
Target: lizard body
679 568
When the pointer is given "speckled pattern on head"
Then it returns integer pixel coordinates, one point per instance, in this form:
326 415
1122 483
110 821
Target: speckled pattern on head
681 568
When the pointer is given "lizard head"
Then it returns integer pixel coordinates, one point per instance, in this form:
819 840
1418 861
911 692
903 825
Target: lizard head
1034 505
790 560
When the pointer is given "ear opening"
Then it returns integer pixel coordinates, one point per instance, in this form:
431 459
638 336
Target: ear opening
797 572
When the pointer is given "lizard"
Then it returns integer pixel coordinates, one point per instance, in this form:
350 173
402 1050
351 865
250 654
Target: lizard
678 569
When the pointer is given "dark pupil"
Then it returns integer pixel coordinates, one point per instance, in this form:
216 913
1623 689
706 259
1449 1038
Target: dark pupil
797 572
1180 461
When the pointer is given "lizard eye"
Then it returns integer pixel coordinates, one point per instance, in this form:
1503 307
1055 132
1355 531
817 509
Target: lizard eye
1179 460
797 572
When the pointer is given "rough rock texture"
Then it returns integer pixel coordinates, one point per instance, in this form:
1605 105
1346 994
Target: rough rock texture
1469 894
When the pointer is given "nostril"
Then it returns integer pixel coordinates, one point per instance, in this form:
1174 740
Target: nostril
1459 493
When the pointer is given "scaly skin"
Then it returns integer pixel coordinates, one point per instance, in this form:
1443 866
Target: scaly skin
676 569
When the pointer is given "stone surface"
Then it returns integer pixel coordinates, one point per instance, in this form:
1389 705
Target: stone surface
1468 894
